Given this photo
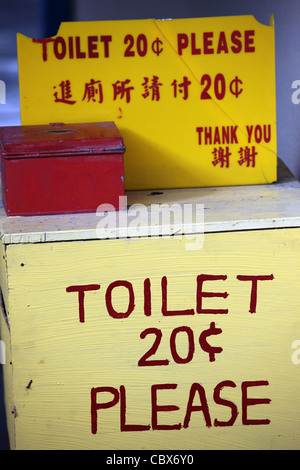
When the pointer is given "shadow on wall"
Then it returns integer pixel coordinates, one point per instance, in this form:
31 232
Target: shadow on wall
4 445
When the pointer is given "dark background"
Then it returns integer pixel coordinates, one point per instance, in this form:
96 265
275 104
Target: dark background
41 18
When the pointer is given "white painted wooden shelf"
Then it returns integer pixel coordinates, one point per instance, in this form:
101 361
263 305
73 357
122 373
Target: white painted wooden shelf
225 209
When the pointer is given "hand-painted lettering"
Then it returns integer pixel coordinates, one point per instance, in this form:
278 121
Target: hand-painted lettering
179 358
226 135
246 402
108 297
216 43
200 294
253 295
76 47
81 290
197 401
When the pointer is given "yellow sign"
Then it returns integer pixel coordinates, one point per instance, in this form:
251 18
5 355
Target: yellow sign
132 347
193 98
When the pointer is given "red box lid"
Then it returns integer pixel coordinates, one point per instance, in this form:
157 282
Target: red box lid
60 139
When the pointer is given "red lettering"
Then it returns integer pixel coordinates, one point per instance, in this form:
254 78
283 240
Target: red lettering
92 47
59 43
208 130
147 297
201 278
79 54
233 136
196 387
200 294
191 344
95 406
223 402
108 297
207 43
258 134
71 49
195 50
123 425
182 42
235 39
249 40
164 308
199 130
226 134
216 135
81 290
222 44
157 408
106 40
253 295
267 133
253 401
217 139
116 396
144 359
44 43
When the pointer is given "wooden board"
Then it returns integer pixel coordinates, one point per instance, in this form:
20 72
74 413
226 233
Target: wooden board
225 208
225 375
57 360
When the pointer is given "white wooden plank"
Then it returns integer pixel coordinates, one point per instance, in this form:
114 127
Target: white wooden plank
225 209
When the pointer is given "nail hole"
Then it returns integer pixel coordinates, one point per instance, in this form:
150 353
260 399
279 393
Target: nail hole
156 193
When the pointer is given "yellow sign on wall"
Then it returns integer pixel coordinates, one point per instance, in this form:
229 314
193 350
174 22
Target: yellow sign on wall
193 98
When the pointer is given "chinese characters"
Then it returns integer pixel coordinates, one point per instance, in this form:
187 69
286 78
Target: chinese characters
154 89
246 156
221 137
93 91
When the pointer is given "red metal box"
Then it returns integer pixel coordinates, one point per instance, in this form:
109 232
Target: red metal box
61 168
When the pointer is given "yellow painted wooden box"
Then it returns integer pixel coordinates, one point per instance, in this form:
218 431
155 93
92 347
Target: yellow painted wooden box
118 338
